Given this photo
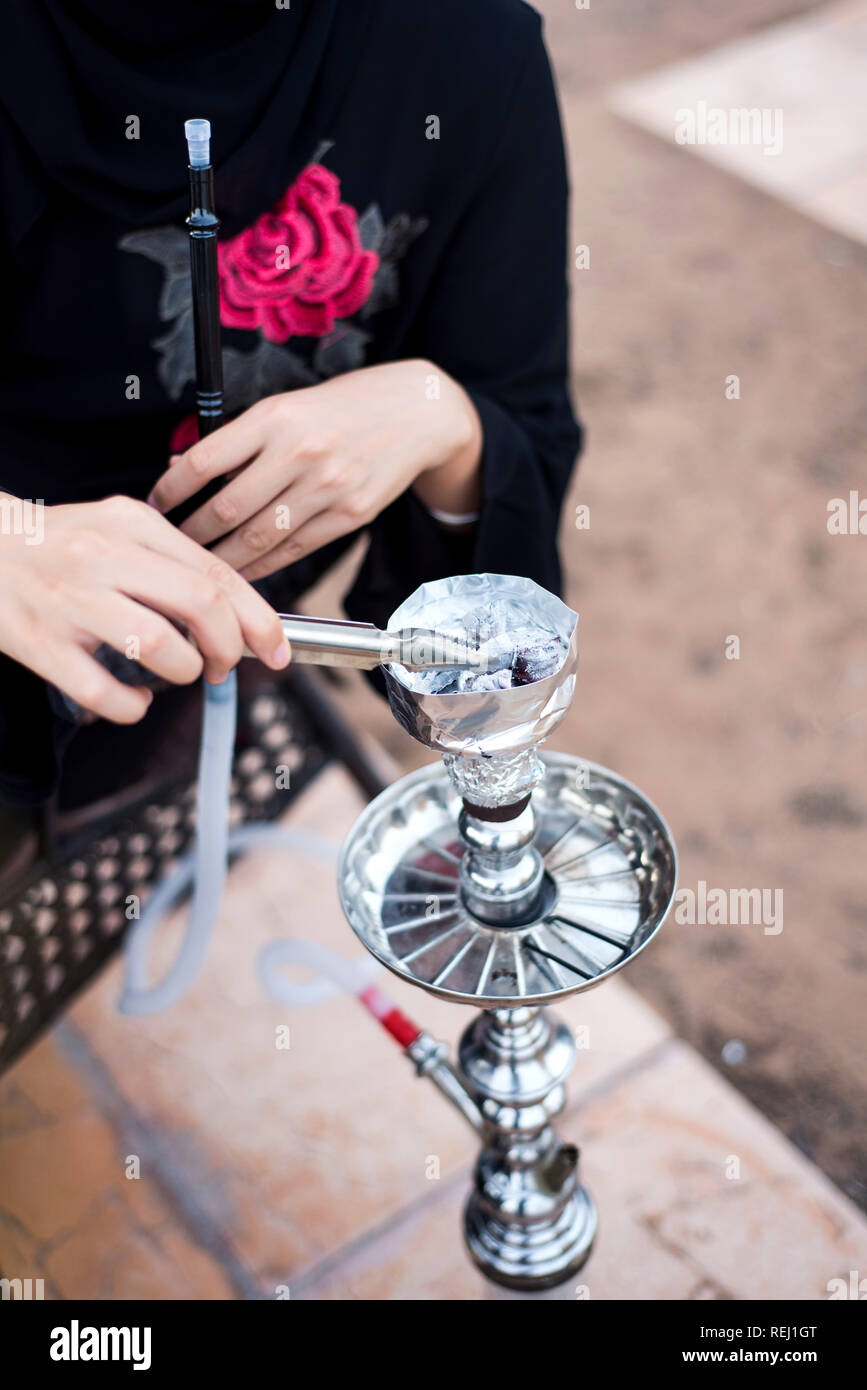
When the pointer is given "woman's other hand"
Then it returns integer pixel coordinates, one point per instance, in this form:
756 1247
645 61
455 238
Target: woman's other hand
115 572
323 461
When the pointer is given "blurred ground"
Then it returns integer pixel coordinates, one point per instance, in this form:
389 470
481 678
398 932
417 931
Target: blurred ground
708 519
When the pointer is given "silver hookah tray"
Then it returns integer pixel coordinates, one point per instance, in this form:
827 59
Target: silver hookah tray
610 876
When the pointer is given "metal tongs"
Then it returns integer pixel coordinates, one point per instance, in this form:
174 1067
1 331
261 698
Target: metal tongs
333 642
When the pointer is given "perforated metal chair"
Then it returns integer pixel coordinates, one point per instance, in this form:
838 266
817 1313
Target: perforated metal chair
125 814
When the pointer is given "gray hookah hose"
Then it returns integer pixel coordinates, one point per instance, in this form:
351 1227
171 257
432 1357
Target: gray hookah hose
205 866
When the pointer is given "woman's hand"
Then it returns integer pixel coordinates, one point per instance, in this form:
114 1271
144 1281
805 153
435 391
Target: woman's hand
321 462
115 572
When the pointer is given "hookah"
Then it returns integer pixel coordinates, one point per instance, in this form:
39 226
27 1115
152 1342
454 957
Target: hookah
497 878
507 881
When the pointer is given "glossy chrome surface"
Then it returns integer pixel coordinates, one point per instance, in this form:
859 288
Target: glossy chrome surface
335 642
609 877
501 876
528 1224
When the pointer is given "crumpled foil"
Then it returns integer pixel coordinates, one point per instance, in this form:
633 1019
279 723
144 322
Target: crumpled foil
479 727
500 780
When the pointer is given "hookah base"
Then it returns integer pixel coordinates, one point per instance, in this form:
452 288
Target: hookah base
431 890
531 1257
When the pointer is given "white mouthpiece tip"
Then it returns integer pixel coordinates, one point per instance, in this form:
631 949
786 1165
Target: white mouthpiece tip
198 133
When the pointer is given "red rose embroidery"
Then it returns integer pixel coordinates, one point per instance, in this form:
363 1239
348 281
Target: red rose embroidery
325 275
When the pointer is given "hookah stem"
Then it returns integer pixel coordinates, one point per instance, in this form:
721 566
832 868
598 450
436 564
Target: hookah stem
211 854
204 224
219 719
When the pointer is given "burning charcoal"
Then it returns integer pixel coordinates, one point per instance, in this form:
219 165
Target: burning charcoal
521 673
537 662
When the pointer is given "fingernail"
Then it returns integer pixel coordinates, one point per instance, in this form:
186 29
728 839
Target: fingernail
281 655
151 503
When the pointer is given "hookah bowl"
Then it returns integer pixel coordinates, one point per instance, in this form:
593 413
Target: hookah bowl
508 881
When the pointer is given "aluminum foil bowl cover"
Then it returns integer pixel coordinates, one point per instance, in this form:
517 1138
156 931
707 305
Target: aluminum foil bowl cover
476 724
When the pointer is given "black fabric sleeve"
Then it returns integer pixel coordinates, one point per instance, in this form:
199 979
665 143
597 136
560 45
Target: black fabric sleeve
496 318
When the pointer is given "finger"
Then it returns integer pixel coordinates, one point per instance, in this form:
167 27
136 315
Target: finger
91 686
322 528
271 527
261 482
224 614
227 448
193 598
259 624
144 636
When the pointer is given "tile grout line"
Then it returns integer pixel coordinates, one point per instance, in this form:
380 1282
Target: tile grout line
167 1173
643 1062
321 1269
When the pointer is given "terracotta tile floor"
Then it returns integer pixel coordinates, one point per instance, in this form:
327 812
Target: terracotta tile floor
262 1168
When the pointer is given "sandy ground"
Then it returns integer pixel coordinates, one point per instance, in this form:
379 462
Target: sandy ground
708 520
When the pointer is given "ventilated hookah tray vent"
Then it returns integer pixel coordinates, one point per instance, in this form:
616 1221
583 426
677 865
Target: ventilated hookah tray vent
610 876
